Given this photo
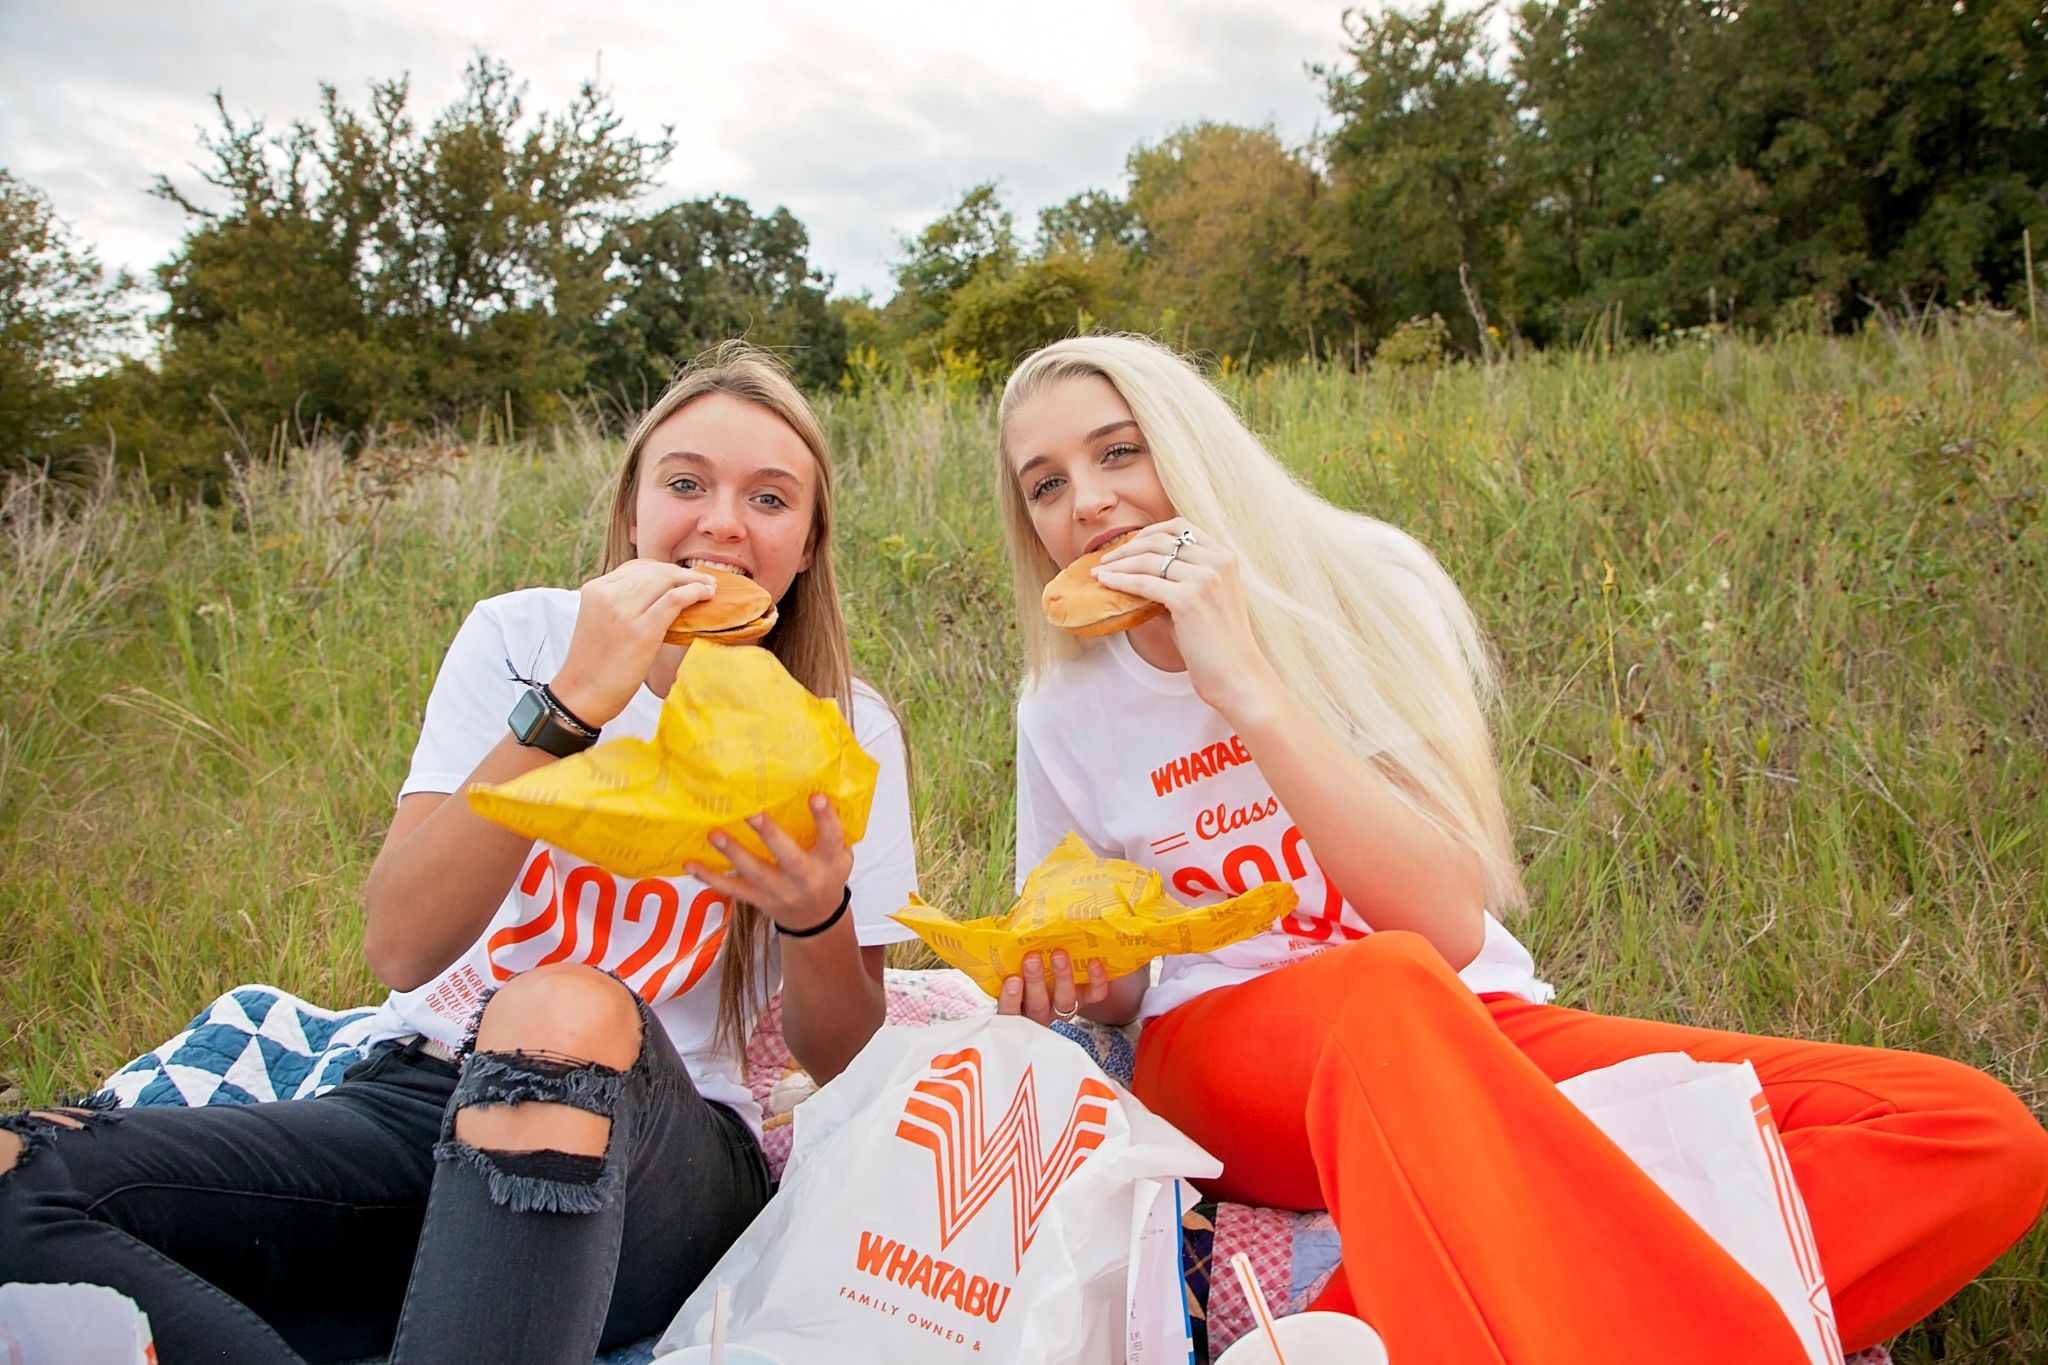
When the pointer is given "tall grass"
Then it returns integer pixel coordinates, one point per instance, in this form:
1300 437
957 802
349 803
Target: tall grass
1774 620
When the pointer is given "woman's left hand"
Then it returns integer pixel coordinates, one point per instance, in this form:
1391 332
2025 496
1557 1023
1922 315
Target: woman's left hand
796 887
1043 994
1203 592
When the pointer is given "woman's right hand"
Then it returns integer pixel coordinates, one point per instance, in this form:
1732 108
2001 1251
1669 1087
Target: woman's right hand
621 618
1042 997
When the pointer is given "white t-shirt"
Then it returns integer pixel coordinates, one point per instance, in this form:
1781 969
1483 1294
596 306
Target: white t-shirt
1128 757
659 934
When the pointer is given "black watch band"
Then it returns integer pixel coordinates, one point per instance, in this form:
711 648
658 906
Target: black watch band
576 722
534 724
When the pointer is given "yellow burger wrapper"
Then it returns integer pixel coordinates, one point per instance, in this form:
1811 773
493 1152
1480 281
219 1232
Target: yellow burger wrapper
737 736
1093 908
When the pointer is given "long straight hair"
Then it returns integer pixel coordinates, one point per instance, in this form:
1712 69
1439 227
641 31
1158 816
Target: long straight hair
1367 628
810 632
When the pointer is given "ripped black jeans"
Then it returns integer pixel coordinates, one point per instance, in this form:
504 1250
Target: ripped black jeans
325 1229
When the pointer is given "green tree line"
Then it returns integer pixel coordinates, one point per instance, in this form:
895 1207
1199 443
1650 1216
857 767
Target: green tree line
1610 169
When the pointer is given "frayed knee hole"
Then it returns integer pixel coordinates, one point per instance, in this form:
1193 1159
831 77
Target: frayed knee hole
544 1181
533 1126
22 1135
519 1077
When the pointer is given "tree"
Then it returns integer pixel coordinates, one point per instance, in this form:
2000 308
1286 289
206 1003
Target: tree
60 317
1688 158
1419 163
365 269
1633 199
1236 255
1092 221
702 271
975 236
1904 145
1000 316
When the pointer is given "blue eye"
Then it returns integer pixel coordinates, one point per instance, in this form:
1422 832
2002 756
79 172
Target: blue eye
1044 487
683 483
774 500
1118 452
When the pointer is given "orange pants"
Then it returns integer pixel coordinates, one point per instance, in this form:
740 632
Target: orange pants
1483 1218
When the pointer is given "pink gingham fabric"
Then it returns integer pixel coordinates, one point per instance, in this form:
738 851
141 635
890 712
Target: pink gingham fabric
1266 1237
914 998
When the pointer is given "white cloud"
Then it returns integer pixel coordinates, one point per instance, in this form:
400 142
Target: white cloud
866 119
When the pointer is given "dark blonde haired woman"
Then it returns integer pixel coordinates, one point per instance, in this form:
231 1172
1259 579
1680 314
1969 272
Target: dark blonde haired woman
1310 708
562 1182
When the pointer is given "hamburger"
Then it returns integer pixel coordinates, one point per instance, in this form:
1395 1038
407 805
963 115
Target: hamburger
1079 605
738 612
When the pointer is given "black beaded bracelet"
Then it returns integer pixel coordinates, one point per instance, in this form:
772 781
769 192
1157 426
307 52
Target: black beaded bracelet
845 899
547 694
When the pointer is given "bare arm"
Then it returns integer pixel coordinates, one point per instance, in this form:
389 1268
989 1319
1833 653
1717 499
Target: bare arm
441 874
1394 868
832 997
443 870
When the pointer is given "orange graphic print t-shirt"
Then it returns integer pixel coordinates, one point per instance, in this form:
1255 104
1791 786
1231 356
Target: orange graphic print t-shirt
660 935
1128 757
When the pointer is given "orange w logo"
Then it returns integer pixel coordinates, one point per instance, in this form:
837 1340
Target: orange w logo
945 1116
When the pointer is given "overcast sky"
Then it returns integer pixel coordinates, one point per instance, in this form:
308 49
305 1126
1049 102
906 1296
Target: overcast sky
866 118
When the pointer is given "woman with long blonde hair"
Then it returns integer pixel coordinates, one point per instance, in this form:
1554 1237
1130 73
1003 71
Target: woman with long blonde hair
532 1170
1311 707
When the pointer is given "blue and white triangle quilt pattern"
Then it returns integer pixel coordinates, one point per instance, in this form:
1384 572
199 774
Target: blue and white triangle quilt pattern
255 1043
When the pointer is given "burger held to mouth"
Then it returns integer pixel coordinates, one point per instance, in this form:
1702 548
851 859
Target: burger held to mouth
738 612
1080 606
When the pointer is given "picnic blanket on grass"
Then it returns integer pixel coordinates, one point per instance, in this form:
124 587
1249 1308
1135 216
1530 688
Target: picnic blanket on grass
258 1043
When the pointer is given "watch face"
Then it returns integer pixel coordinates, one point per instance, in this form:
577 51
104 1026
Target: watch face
528 715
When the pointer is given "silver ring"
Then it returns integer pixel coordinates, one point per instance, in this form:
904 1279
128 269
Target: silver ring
1180 542
1068 1016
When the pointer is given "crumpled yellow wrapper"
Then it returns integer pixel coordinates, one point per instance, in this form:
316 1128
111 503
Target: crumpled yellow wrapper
737 736
1093 908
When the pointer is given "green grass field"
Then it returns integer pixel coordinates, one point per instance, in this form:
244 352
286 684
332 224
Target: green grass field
1773 617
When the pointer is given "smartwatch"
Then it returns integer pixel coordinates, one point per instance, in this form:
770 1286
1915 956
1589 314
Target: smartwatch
535 725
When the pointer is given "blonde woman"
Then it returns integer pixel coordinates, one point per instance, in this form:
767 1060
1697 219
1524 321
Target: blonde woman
1311 707
566 1179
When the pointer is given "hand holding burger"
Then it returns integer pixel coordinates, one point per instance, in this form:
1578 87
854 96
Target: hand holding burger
625 616
1197 580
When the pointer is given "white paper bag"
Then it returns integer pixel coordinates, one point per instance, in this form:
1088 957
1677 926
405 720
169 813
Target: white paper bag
1703 1132
1157 1330
72 1324
964 1192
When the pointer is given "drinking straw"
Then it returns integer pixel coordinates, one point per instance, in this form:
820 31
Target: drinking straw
1242 1264
721 1308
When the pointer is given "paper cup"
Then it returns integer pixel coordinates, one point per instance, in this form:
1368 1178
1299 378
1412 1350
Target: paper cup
734 1355
1309 1339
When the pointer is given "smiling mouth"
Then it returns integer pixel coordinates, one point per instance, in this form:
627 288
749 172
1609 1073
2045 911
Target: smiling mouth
1109 538
725 565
